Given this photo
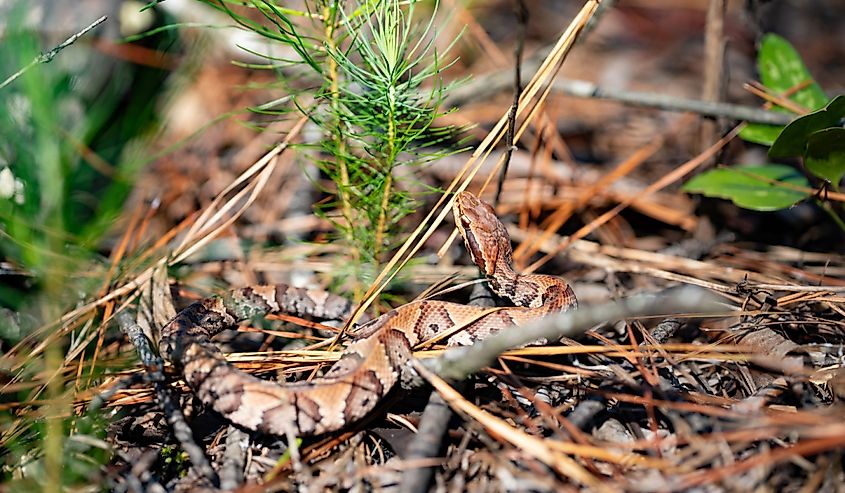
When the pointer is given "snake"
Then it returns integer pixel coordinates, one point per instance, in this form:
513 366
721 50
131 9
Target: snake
378 356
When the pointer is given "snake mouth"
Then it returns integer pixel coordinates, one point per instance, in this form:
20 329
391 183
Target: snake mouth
471 242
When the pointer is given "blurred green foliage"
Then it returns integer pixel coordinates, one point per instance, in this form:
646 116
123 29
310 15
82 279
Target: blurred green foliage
72 135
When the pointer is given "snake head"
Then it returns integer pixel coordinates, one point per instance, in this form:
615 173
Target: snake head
484 235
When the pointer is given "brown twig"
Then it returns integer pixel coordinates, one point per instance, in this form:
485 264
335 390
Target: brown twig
714 60
492 84
521 24
173 413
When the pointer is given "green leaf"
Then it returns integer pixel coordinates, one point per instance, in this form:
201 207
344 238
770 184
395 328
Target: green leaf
781 69
750 187
793 139
825 155
760 133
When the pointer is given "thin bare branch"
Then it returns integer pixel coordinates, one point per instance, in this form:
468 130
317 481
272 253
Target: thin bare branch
458 363
48 57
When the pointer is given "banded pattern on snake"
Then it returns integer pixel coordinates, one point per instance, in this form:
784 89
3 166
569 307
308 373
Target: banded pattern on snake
376 359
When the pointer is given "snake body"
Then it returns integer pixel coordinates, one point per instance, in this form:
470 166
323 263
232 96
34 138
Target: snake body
376 359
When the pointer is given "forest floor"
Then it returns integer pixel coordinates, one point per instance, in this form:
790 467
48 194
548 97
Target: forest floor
748 397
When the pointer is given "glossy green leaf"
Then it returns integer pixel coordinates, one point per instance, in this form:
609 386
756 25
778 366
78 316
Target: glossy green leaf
751 187
760 133
825 154
781 70
793 139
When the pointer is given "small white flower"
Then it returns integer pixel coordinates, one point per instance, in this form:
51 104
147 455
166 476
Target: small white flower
7 183
10 186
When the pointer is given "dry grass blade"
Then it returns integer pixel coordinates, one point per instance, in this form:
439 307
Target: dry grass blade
530 445
211 222
765 459
777 99
202 232
116 257
560 216
441 209
209 225
667 180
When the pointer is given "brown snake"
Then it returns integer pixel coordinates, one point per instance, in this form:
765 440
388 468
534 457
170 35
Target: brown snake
376 359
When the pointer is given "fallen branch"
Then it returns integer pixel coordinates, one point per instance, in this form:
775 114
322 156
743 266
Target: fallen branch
170 407
459 363
492 84
584 89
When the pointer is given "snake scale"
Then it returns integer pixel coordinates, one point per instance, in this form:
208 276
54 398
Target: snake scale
377 357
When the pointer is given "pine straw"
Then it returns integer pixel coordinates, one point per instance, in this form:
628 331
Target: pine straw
745 400
754 389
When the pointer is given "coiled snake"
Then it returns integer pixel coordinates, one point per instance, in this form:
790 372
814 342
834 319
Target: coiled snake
376 359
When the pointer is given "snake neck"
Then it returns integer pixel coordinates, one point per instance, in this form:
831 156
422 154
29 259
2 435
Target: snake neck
508 284
547 294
